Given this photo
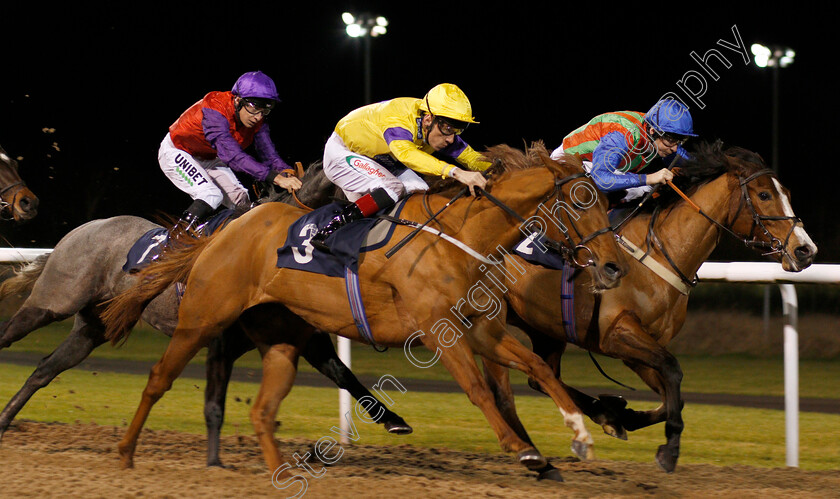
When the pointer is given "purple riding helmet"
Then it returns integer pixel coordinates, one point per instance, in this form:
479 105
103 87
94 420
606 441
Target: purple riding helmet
256 85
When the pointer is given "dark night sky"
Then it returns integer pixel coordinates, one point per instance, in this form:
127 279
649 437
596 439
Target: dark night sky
110 83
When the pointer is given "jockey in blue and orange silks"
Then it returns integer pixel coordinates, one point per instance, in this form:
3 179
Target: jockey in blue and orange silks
207 143
616 146
376 152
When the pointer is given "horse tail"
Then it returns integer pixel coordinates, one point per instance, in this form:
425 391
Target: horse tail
124 310
24 279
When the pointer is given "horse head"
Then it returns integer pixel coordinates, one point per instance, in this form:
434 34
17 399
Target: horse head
573 216
760 210
17 202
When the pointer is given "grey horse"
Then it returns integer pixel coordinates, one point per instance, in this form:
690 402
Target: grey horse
85 270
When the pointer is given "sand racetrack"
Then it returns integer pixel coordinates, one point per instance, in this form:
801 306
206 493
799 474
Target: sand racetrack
49 459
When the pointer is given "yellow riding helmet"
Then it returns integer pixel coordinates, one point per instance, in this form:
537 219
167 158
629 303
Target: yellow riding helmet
448 101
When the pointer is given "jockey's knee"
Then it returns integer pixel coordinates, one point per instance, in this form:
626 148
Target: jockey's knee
213 199
240 199
395 189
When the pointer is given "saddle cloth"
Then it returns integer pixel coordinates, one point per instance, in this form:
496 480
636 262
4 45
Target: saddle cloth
530 250
152 243
346 244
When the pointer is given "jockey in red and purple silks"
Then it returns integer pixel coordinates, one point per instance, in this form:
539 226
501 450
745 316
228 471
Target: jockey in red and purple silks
207 144
616 146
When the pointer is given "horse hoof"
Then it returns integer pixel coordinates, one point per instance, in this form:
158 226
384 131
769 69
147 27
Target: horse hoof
615 430
398 428
666 459
532 459
549 473
582 450
217 463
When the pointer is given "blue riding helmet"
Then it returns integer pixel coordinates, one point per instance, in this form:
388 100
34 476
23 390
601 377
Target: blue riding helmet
671 116
256 85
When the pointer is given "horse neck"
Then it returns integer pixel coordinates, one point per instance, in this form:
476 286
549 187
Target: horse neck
486 226
689 237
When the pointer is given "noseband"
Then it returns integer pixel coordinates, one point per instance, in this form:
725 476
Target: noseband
775 245
7 208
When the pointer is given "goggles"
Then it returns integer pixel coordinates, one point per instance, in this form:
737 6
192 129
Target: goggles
446 128
671 140
256 107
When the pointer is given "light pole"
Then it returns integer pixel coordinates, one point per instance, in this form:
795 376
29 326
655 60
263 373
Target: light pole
365 26
773 57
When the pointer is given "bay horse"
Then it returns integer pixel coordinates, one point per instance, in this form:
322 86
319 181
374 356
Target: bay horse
85 270
636 321
234 272
17 202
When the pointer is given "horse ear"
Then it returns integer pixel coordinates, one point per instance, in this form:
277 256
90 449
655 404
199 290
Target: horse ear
549 163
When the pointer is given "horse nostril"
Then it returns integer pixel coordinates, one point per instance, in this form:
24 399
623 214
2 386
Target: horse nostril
612 270
803 253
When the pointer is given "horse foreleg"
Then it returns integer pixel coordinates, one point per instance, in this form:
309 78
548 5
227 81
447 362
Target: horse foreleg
182 348
498 379
627 340
222 352
279 370
26 320
459 361
87 334
320 353
551 350
504 349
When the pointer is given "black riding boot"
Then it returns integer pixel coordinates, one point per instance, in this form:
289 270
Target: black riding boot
365 206
189 222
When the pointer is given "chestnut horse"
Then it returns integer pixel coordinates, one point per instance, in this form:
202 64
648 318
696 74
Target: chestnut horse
85 270
414 291
17 202
636 321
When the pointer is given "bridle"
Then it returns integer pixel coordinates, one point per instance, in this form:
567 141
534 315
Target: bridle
7 208
774 245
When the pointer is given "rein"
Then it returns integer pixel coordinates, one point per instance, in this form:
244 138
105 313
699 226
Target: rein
775 245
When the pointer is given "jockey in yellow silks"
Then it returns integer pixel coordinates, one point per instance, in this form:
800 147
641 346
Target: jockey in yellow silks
376 152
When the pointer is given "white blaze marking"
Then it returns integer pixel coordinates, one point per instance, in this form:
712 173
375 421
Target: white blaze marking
799 232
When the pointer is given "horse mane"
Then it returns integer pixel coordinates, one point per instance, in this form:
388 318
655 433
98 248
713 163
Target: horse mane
315 191
504 158
709 161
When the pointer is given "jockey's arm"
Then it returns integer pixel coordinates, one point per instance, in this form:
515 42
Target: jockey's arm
268 152
407 153
217 132
606 161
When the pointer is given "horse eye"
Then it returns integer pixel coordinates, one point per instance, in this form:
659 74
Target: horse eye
764 196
